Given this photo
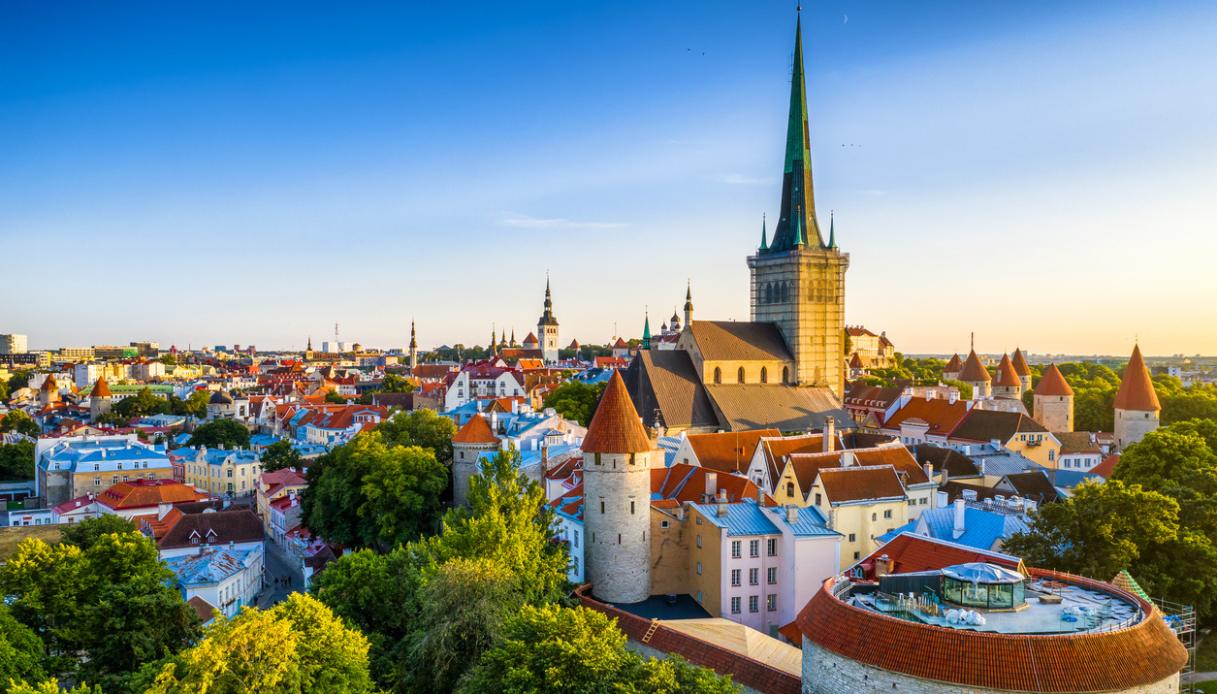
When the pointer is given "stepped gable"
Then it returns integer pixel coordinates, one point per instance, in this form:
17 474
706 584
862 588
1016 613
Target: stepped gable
1136 387
973 371
616 428
476 430
1053 383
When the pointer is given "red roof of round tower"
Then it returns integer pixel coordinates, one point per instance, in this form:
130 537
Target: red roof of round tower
973 371
1021 367
101 389
1006 375
615 427
1136 387
476 430
1053 383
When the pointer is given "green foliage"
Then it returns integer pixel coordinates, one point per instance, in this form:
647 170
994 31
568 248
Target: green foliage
579 651
335 398
424 428
280 455
50 686
576 400
19 380
298 646
221 432
371 493
17 461
20 650
86 533
393 383
1179 461
421 598
965 389
195 404
111 605
17 421
141 404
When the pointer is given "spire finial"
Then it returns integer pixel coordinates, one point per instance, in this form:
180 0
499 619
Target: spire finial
972 340
832 229
798 226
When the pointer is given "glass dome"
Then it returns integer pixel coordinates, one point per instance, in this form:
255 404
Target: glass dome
983 585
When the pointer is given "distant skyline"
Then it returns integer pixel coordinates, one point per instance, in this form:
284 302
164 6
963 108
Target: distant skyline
234 173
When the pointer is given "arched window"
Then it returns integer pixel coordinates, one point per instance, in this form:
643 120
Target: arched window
764 375
740 377
768 294
785 374
718 375
785 292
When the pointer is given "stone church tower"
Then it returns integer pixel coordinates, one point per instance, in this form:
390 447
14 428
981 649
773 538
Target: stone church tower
547 329
617 460
413 349
798 281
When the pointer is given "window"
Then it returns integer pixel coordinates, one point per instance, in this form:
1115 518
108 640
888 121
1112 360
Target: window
771 603
699 572
754 577
754 603
735 549
857 556
663 524
819 499
771 576
631 508
735 605
764 374
853 537
773 547
887 513
735 578
754 548
740 377
1051 455
785 374
718 375
699 596
874 516
602 505
790 489
576 538
698 539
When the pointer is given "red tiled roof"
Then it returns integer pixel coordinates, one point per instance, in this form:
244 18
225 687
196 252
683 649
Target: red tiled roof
101 389
1006 375
144 493
205 610
616 428
1123 659
953 365
476 430
1107 467
855 361
1021 367
728 451
218 527
1136 388
942 415
855 483
973 371
909 553
1053 383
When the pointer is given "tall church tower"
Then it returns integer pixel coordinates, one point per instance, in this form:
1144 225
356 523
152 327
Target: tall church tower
798 280
413 349
547 329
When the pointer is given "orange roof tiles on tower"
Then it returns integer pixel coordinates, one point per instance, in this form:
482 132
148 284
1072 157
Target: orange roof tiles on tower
616 428
1053 383
973 370
1021 367
1006 375
476 430
1136 387
101 389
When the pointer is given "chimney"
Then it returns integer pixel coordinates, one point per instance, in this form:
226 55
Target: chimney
847 458
711 483
929 471
830 433
721 508
883 565
494 421
544 457
792 514
981 467
959 519
941 499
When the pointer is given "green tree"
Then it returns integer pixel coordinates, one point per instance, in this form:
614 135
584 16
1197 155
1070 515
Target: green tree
1178 461
1196 402
576 400
298 646
20 650
578 651
335 398
19 380
195 404
86 533
50 686
280 455
112 605
18 422
221 432
141 404
17 461
424 428
368 493
965 389
393 383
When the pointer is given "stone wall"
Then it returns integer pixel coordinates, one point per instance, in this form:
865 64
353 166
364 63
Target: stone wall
1133 425
1054 412
825 672
617 522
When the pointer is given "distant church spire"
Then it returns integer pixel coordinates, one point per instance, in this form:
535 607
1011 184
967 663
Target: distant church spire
798 228
764 239
798 199
832 229
646 330
689 303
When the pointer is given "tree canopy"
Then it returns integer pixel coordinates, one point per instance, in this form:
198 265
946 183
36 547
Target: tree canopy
17 421
17 461
221 432
280 455
576 400
424 428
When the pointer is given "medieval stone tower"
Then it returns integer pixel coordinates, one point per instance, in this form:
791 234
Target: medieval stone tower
617 459
100 399
1053 401
468 445
798 281
1137 406
547 329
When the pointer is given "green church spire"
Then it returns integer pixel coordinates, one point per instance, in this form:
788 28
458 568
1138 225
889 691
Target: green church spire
764 240
798 198
798 228
646 331
832 230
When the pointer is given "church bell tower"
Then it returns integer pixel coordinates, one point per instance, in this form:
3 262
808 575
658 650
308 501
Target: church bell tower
798 280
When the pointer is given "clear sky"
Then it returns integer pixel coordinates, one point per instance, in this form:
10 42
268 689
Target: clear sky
212 173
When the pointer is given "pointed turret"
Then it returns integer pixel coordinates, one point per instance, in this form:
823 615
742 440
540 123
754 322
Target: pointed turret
832 230
646 331
413 352
1052 401
413 337
798 231
975 374
798 200
1053 383
101 389
616 427
764 235
1007 384
688 304
1136 387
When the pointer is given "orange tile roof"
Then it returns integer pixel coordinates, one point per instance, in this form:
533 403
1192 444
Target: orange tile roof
1107 468
1006 375
728 451
1123 659
1053 383
101 389
942 415
973 371
1021 367
476 430
141 493
1136 388
847 484
855 361
616 428
953 365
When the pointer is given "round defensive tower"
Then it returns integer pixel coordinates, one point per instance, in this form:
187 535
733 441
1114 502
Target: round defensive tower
468 445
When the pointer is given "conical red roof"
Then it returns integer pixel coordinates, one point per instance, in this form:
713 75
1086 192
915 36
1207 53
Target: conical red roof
973 371
954 365
1136 388
1021 367
50 383
615 427
1053 383
101 389
476 430
1006 375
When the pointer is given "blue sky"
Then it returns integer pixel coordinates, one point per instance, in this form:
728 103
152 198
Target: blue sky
217 173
